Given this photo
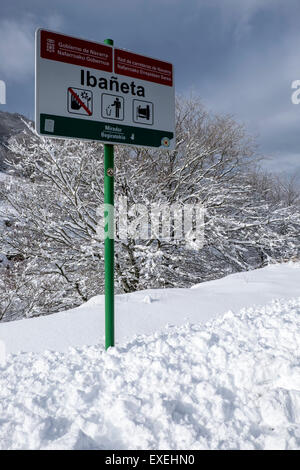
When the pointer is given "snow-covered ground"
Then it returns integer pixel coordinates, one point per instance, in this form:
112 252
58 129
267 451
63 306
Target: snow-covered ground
226 375
146 312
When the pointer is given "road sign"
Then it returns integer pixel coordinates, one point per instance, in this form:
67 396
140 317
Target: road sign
94 91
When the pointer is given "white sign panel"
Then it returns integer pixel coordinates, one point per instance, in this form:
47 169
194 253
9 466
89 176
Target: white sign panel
94 91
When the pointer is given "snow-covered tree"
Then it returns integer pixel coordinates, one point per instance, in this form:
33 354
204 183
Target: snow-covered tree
52 241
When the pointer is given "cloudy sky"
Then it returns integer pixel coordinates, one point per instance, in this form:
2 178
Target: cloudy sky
239 56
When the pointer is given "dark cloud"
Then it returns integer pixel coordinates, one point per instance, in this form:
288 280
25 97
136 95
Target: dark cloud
240 57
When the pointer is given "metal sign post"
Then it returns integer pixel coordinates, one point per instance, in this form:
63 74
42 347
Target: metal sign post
109 242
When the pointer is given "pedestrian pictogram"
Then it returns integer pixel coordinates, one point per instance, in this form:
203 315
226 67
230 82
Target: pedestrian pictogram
143 112
80 101
112 107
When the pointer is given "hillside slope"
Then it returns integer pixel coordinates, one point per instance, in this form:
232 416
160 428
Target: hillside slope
217 380
146 312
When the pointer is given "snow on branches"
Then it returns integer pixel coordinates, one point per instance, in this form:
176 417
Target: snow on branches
50 211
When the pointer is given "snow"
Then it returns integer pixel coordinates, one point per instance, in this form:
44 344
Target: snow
146 312
226 375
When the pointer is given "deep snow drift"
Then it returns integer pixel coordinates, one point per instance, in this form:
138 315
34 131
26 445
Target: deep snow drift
146 312
230 383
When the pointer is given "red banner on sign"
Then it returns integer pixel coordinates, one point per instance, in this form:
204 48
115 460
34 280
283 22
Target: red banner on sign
75 51
144 68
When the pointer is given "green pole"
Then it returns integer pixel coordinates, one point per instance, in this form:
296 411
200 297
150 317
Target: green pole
109 242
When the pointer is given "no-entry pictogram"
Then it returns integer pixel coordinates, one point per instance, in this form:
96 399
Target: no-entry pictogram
80 101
